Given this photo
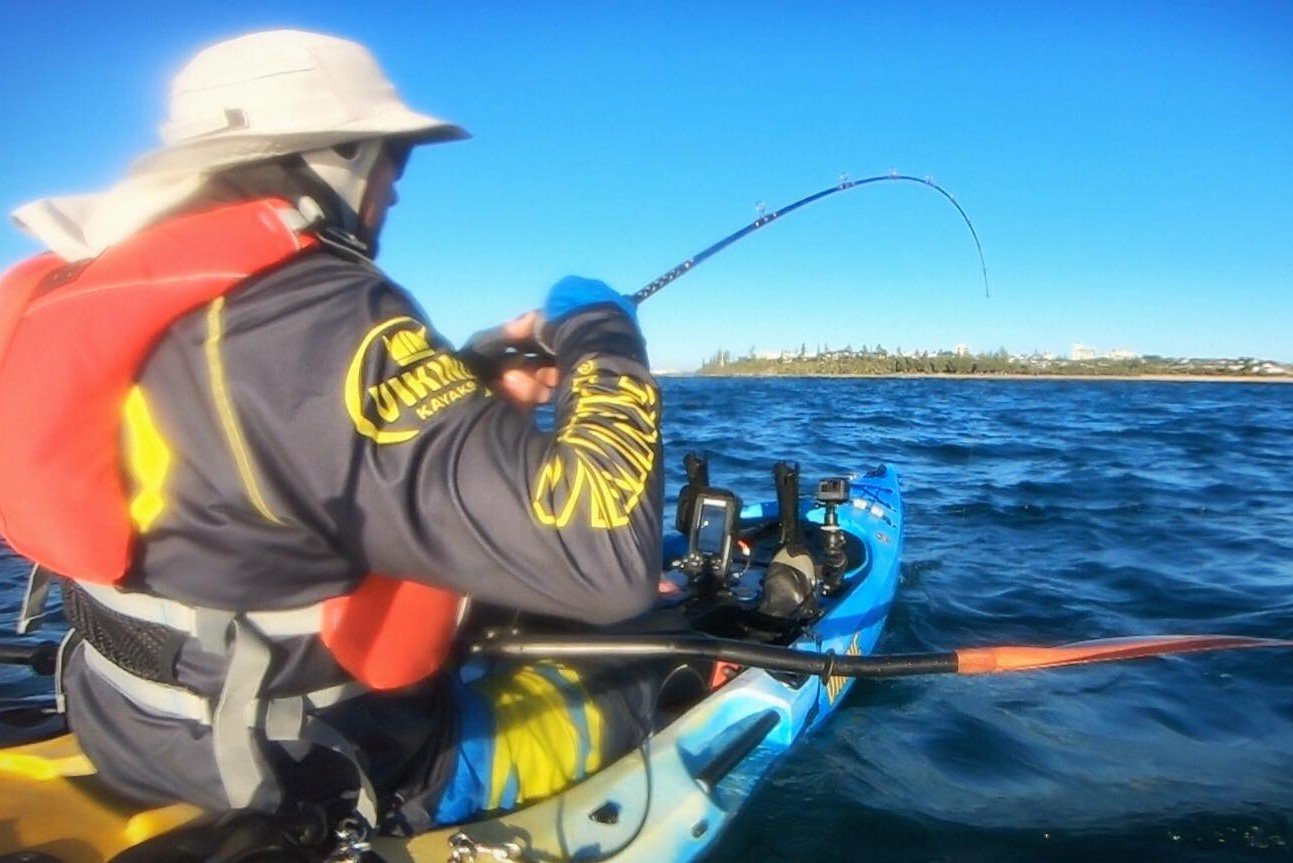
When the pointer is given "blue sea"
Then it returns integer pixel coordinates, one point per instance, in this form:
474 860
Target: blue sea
1038 512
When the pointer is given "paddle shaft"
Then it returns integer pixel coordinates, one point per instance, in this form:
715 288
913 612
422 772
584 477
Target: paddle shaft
766 656
41 657
982 660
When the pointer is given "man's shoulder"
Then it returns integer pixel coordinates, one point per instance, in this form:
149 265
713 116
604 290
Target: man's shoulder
321 282
318 300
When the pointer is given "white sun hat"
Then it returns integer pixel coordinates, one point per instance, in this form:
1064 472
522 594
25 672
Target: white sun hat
284 91
244 100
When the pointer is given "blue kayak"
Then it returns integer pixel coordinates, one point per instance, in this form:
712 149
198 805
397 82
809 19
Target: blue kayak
738 576
670 799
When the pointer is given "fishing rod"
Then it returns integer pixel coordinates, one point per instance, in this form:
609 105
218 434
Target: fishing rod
485 351
705 254
973 660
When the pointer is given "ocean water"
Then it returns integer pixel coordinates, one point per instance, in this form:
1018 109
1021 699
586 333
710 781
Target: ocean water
1038 512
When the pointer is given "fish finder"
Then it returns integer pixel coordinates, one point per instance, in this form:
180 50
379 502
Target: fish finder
711 532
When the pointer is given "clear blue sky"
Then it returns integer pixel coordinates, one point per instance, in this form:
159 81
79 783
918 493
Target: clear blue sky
1129 166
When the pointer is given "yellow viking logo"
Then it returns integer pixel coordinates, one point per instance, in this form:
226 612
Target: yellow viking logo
408 346
609 446
393 408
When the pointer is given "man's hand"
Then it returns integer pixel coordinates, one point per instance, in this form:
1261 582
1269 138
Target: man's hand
523 383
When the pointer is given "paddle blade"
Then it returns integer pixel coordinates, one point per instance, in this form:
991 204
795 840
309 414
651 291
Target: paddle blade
990 660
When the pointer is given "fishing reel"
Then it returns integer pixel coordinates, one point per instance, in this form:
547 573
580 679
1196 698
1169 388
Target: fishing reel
795 576
790 585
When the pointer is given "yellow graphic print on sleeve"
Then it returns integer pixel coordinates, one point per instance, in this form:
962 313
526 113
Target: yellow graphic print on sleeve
606 450
415 383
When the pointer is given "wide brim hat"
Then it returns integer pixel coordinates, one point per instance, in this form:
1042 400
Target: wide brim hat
280 92
245 100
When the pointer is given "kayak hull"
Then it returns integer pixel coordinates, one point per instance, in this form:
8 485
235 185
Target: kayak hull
669 799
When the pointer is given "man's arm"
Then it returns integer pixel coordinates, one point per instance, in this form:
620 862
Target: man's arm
453 485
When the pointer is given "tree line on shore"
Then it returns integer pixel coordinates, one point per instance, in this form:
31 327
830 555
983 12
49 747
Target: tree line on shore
878 361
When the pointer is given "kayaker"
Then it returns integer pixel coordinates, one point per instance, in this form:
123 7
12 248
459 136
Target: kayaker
312 479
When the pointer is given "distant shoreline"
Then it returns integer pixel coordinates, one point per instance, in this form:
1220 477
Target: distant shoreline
1183 378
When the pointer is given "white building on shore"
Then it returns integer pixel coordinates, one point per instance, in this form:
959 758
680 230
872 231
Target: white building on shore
1081 352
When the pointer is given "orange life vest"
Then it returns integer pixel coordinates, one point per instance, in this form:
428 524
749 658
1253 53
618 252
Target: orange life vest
73 337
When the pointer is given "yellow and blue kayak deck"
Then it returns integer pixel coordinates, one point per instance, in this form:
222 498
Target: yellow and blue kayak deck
51 802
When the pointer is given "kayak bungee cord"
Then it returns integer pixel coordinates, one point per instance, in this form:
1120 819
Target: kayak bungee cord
844 185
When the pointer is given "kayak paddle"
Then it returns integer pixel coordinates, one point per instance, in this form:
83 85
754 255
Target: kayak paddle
971 660
40 657
974 660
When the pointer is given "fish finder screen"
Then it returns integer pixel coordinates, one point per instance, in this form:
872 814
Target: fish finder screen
711 527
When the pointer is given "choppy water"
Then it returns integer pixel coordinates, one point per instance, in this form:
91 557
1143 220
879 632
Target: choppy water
1038 512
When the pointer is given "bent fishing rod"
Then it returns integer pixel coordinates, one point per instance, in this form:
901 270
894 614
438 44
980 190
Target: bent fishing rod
768 218
485 351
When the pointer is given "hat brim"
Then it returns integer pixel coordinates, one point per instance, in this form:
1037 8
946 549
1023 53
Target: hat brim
237 147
